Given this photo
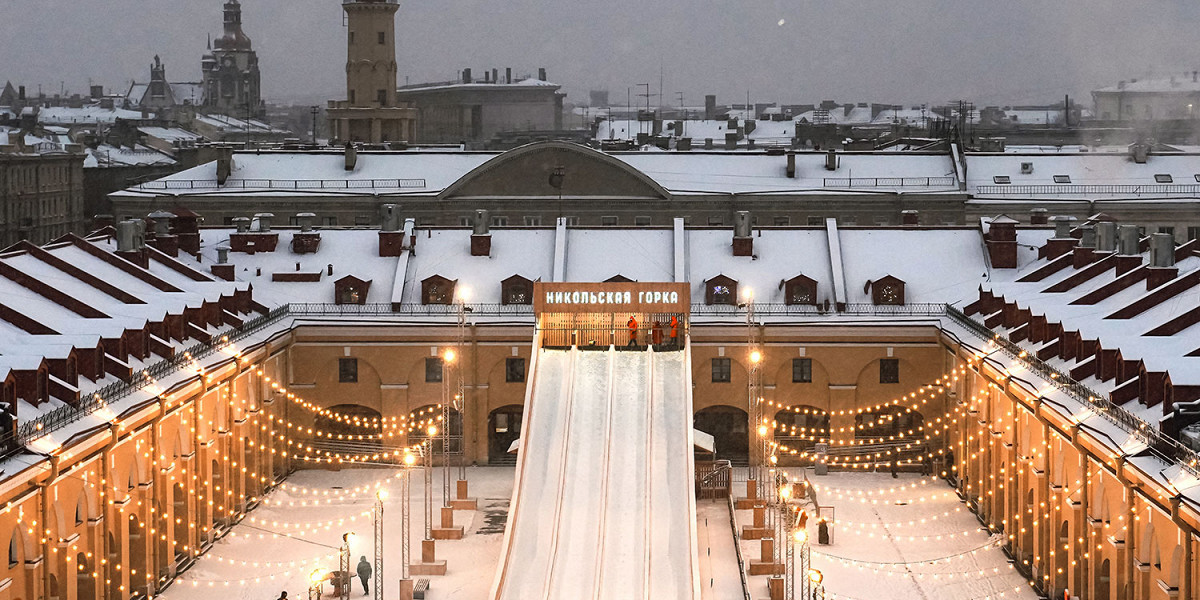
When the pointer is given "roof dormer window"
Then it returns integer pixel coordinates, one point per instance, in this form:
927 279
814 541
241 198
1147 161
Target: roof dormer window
1002 180
1163 178
1062 179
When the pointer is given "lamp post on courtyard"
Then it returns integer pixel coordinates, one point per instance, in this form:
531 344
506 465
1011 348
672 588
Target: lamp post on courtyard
448 402
344 564
428 504
818 587
405 515
380 496
314 583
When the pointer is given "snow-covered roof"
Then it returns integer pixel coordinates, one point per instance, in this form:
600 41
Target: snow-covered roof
171 134
529 82
1183 84
88 115
107 155
234 124
1062 174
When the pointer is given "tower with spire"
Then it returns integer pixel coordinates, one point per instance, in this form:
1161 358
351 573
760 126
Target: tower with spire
232 83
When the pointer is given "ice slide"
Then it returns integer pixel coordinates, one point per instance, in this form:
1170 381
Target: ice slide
603 505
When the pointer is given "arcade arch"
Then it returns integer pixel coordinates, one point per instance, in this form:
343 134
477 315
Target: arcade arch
730 428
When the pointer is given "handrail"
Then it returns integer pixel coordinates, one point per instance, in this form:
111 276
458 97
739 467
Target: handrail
737 546
282 184
1150 189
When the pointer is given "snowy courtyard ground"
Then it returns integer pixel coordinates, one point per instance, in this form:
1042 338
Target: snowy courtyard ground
251 563
888 532
900 539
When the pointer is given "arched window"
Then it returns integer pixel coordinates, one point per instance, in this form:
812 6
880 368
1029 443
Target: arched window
14 550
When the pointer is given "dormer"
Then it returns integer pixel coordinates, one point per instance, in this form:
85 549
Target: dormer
888 290
618 278
720 290
351 290
516 290
437 290
800 290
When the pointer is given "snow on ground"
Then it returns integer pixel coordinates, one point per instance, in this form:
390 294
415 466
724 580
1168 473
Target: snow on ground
906 538
314 532
719 579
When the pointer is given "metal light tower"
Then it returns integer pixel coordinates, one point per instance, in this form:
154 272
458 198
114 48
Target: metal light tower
428 451
380 496
818 586
405 518
344 565
447 401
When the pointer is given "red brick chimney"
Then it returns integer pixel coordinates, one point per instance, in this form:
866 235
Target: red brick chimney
1001 240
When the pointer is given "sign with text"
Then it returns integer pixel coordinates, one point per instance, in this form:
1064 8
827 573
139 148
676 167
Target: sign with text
627 297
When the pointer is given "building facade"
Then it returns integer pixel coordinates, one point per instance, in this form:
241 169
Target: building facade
537 183
370 112
474 111
231 79
42 195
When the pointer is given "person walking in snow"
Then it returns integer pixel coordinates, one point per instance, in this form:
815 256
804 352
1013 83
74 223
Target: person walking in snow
364 574
283 596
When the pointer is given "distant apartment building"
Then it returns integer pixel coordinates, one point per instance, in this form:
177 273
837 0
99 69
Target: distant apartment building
41 194
1166 98
473 110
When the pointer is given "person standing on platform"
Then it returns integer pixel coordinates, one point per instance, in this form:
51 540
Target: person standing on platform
674 331
656 334
633 328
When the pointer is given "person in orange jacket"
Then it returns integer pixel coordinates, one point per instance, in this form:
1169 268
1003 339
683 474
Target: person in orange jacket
674 331
656 333
633 330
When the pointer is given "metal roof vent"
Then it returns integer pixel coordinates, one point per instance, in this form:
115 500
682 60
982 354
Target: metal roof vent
1062 226
222 255
305 220
1106 236
481 222
242 224
389 217
162 221
1130 240
741 224
264 221
1162 250
131 235
1088 239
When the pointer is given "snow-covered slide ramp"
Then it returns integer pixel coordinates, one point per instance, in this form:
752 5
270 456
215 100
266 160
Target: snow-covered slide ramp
603 506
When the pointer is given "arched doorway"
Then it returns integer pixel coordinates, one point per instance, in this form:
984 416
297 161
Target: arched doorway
114 558
730 428
182 518
137 557
353 430
1061 558
504 427
218 491
799 428
55 592
1102 590
892 422
85 581
421 419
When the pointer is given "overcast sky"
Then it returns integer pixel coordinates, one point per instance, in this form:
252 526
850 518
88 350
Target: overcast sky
792 51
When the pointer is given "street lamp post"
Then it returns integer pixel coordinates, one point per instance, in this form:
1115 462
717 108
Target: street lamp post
343 575
405 518
818 587
432 431
314 583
